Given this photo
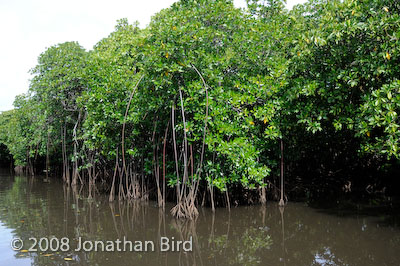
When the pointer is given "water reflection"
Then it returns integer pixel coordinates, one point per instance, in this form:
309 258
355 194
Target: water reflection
281 211
258 235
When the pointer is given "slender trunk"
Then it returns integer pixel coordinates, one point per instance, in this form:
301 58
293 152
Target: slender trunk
156 165
29 168
228 204
203 201
185 148
36 152
175 152
90 171
68 177
47 155
199 168
121 193
143 192
123 136
282 202
75 170
191 161
212 197
112 192
205 123
263 195
157 176
63 155
164 167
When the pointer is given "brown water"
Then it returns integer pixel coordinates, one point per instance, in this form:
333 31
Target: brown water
297 235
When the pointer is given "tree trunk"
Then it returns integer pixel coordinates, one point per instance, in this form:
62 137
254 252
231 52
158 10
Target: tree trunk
164 167
47 156
282 202
263 195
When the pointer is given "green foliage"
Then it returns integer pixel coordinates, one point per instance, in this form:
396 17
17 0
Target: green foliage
345 69
111 77
324 66
380 122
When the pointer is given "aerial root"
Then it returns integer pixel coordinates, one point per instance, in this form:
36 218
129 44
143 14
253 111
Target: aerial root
185 210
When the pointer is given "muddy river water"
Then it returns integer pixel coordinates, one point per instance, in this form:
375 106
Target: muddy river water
46 223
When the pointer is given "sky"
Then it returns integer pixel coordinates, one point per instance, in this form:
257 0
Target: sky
28 27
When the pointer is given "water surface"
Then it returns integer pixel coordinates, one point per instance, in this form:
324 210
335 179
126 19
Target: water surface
296 235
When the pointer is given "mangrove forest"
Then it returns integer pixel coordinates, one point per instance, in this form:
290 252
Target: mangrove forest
213 105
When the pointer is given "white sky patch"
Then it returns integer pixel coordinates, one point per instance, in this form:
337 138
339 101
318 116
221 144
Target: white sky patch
28 27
